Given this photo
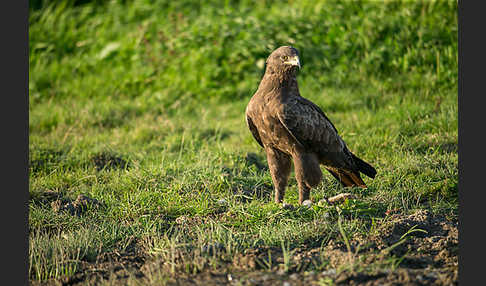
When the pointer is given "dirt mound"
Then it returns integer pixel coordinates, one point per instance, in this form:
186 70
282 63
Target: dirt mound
76 207
435 246
420 249
107 160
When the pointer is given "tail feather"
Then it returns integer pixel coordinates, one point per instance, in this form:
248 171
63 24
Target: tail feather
348 179
364 167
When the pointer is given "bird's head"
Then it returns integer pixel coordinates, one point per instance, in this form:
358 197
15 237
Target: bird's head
284 59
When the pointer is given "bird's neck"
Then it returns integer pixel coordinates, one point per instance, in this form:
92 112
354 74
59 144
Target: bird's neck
281 85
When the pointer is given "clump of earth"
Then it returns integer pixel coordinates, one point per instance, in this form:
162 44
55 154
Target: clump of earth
75 207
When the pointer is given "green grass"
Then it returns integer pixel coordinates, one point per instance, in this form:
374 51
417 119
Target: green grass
159 88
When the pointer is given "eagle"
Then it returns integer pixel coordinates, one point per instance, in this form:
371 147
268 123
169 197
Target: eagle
292 128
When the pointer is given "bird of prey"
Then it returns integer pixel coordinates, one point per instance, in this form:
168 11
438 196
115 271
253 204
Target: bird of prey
292 128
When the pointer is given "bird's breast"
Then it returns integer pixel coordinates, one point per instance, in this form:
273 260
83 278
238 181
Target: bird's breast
274 134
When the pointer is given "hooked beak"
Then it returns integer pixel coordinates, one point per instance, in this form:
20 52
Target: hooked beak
293 61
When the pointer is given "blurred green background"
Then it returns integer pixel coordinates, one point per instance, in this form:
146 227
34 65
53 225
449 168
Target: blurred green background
171 50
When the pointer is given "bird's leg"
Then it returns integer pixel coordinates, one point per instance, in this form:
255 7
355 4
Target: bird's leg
307 173
279 164
304 191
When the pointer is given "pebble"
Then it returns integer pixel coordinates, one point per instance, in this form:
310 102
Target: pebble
307 203
331 271
287 206
294 276
222 202
322 203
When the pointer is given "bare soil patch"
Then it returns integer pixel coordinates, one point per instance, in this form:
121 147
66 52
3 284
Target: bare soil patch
75 207
428 257
107 160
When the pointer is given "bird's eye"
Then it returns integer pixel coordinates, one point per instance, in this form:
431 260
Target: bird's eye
285 58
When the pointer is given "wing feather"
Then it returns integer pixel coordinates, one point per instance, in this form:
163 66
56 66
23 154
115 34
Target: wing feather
313 130
308 124
253 130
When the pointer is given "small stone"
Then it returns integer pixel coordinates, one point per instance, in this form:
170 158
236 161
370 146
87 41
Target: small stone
294 276
307 203
286 283
340 198
182 219
329 272
323 202
265 277
222 202
286 206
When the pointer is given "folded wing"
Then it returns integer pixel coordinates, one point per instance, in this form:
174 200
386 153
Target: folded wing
253 130
315 132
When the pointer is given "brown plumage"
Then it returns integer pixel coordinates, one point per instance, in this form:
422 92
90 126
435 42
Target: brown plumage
292 128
